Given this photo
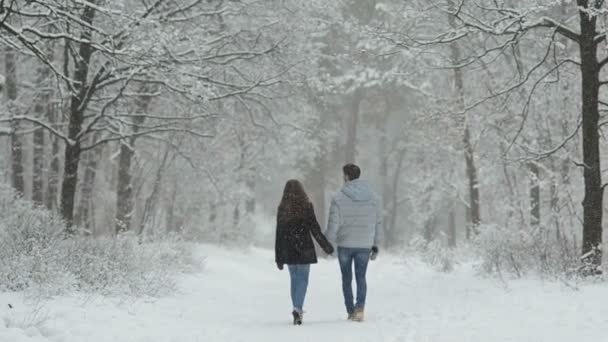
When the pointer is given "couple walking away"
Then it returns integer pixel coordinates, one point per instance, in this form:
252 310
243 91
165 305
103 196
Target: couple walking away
354 225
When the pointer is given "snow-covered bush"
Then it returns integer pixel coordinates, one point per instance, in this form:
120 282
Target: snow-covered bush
27 236
36 255
434 253
124 265
518 251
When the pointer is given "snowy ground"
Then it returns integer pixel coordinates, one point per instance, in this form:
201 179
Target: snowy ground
242 297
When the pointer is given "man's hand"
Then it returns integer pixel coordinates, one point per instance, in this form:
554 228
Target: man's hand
374 253
280 266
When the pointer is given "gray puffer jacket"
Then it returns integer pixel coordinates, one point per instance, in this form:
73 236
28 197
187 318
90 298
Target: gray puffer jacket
355 217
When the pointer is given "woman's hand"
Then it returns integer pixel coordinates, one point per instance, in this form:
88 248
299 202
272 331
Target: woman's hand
280 266
329 249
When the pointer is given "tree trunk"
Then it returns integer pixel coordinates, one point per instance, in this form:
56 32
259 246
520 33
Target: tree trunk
592 203
236 215
353 125
451 228
124 192
212 219
152 200
469 153
76 117
534 193
561 169
473 182
171 223
42 108
53 176
38 163
429 228
318 171
85 215
250 183
70 179
515 198
387 190
319 185
10 62
467 216
392 226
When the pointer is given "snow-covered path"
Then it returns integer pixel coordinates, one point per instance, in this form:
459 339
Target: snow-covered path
242 297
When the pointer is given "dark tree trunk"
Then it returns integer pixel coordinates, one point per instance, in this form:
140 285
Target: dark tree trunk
124 192
534 193
78 102
473 183
10 63
70 180
592 203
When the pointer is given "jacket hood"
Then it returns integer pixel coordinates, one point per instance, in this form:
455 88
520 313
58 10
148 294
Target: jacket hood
357 190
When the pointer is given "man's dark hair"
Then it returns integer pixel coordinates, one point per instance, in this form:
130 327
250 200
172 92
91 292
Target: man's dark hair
352 171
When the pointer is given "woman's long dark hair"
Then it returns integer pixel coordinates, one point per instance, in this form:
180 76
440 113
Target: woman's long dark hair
294 201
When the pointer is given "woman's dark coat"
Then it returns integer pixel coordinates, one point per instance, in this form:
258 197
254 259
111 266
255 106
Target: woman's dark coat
293 244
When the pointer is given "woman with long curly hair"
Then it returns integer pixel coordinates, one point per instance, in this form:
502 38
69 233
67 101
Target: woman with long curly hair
296 222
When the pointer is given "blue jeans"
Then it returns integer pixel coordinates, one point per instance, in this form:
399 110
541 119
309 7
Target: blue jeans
299 283
360 256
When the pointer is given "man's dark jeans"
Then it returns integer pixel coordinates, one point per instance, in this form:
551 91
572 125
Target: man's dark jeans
360 257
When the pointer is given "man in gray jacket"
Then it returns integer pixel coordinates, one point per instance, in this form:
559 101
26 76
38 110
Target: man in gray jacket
355 226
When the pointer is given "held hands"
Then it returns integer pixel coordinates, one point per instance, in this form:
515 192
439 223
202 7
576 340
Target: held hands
280 266
329 249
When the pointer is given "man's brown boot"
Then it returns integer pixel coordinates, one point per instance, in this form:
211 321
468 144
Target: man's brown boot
358 315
